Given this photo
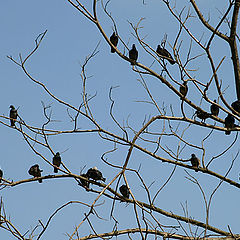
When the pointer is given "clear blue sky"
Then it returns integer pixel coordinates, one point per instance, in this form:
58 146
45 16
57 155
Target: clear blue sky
70 38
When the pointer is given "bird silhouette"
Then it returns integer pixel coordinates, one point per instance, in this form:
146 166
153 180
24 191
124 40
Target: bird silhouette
229 123
236 106
56 161
35 172
214 109
13 115
1 175
84 182
124 191
164 53
133 54
95 174
183 89
114 41
202 115
195 162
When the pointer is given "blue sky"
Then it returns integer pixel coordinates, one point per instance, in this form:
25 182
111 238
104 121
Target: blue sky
57 63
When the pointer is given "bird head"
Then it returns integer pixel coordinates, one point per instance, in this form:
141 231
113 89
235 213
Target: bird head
193 155
95 168
12 107
57 154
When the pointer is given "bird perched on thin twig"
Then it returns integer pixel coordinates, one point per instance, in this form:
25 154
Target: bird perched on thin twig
214 109
195 162
202 115
229 123
13 115
165 53
114 41
84 182
236 106
124 191
35 172
133 54
56 161
183 89
95 174
1 175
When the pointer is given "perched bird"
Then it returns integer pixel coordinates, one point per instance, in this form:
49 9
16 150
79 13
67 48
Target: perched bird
164 53
229 123
124 191
13 115
133 54
1 175
195 162
35 172
84 182
56 161
95 174
202 115
183 89
214 109
114 41
236 106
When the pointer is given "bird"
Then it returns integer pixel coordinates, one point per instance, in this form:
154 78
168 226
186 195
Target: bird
165 53
13 115
114 41
1 175
229 123
236 106
133 54
202 115
183 89
214 109
56 161
124 191
84 182
195 162
35 171
95 174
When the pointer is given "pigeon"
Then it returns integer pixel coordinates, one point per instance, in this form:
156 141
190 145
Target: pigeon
124 191
13 115
84 182
164 53
95 174
183 89
56 161
236 106
35 172
229 123
202 115
133 55
1 175
114 41
214 109
195 161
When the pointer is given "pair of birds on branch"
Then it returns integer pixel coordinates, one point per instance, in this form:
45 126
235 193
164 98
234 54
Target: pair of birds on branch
133 52
36 172
92 173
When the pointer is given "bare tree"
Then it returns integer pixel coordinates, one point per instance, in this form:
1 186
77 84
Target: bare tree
189 119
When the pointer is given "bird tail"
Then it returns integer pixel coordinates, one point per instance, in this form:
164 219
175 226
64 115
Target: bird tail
113 50
55 170
103 179
12 123
227 132
40 180
172 61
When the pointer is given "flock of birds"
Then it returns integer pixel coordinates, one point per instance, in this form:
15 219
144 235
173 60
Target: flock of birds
163 53
94 173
